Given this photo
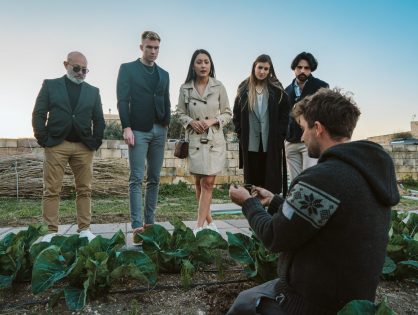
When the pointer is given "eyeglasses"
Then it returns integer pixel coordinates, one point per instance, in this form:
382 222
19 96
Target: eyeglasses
77 68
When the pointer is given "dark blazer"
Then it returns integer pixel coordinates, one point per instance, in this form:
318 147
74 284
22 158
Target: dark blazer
278 110
139 107
53 117
294 132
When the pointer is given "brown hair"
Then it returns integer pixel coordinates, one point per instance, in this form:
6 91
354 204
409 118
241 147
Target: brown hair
336 111
252 80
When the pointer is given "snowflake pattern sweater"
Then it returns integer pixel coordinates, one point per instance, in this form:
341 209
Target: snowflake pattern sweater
332 228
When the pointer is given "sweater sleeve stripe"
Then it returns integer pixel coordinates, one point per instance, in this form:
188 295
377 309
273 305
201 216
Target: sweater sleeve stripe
312 204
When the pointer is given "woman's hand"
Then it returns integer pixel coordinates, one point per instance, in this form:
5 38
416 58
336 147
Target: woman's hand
197 126
209 122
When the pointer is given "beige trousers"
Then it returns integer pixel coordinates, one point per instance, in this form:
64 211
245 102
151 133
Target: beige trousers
80 159
297 158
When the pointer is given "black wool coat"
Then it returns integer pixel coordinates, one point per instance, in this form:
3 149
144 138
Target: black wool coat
278 109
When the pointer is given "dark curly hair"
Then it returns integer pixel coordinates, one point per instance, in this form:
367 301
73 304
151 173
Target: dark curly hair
313 63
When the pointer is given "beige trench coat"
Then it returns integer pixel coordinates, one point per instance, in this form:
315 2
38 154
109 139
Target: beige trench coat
209 158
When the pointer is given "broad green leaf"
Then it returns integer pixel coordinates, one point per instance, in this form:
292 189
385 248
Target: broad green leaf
389 266
49 267
156 236
358 307
135 264
210 239
240 248
76 297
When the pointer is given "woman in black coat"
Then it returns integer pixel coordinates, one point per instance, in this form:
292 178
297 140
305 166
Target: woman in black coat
261 114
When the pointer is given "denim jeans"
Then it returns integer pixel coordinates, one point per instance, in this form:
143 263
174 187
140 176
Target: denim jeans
148 146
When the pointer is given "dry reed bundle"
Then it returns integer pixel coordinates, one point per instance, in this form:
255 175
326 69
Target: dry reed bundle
22 175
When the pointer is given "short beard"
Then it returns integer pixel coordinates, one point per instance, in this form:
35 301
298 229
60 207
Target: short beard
302 77
72 78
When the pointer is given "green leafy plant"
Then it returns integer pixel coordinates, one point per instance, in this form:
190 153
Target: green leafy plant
89 268
260 263
113 131
15 261
364 307
402 250
169 252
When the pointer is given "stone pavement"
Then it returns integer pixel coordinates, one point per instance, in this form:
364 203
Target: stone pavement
108 230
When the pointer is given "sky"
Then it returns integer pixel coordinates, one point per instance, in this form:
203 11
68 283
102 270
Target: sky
368 48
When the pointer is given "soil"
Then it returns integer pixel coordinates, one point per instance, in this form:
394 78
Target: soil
125 297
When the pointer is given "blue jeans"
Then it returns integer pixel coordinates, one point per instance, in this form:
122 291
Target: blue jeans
150 146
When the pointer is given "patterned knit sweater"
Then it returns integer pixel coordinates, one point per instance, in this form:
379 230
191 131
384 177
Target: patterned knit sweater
332 228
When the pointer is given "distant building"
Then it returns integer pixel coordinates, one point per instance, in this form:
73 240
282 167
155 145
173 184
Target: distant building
386 139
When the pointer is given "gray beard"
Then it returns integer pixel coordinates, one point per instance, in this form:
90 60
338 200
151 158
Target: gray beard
75 80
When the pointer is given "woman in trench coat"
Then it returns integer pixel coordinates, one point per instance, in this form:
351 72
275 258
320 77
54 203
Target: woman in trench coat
204 110
261 114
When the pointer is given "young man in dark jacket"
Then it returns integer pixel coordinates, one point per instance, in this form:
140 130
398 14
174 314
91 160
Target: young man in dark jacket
68 122
303 84
332 228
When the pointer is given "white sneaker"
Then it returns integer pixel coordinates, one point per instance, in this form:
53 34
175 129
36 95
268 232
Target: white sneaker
212 226
88 234
197 229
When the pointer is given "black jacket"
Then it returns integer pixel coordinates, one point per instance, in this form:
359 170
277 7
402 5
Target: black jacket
53 118
139 107
332 228
278 110
294 132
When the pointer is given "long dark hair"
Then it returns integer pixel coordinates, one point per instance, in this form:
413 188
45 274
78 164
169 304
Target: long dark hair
191 75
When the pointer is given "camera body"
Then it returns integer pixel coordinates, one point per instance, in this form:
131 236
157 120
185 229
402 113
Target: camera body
248 187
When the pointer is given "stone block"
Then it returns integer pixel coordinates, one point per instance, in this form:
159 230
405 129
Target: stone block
169 146
113 144
398 148
168 171
405 169
8 143
179 163
387 148
398 162
232 163
236 179
27 143
169 163
409 162
221 180
232 146
239 171
179 172
18 151
411 147
123 146
125 153
110 153
166 179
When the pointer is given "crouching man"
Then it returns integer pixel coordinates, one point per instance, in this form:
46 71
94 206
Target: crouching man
332 227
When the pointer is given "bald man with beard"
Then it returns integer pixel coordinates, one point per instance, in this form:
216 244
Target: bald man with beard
68 122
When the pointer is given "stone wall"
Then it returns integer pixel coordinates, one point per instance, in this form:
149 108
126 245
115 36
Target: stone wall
405 158
173 170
